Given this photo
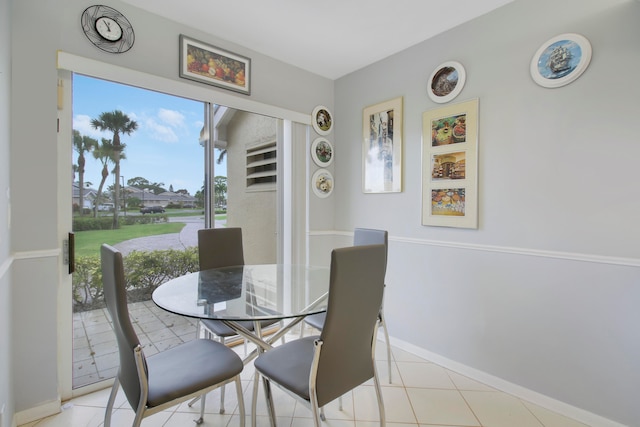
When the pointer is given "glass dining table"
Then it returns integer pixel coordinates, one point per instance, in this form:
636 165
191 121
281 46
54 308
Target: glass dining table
248 293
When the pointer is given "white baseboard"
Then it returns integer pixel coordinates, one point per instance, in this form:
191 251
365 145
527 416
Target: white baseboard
33 414
546 402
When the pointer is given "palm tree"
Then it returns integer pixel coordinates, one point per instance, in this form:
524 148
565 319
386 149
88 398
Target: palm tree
221 156
116 122
106 154
220 190
82 144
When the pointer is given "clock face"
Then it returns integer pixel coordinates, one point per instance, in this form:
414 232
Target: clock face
107 29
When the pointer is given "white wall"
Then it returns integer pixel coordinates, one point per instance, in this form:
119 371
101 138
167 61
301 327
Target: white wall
542 297
6 399
39 30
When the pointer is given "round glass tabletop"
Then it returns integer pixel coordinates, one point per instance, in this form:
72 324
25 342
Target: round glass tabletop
247 292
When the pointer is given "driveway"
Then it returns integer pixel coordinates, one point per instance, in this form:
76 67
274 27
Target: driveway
186 238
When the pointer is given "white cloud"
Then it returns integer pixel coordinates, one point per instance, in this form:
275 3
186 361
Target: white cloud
171 117
160 131
82 123
162 127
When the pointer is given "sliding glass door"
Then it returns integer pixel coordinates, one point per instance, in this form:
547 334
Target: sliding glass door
149 170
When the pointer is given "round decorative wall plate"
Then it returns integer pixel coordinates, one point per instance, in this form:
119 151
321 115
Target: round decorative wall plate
107 29
322 183
322 152
322 120
561 60
446 81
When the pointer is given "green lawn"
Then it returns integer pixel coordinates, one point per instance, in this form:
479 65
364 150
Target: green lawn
87 243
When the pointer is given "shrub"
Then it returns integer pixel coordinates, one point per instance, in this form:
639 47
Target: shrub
87 281
99 223
143 219
148 270
144 272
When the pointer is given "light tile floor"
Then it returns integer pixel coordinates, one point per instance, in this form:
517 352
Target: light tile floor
422 393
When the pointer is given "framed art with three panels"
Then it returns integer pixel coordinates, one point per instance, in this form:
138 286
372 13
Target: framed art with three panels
450 166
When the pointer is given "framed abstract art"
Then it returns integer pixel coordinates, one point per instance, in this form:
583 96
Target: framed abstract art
382 147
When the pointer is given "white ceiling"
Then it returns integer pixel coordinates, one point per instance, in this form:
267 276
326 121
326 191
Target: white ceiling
331 37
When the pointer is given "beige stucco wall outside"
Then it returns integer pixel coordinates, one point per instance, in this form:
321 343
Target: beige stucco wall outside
254 211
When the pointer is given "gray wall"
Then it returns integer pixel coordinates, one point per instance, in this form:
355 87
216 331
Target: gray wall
543 295
39 29
540 296
5 242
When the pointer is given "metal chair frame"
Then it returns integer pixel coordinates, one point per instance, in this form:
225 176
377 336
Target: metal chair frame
142 411
345 366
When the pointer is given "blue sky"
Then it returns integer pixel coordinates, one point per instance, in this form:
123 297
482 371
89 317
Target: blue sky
165 147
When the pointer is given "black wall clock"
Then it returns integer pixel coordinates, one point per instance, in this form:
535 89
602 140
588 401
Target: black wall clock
107 29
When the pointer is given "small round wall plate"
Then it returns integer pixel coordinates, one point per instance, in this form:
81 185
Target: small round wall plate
561 60
322 183
322 152
446 81
107 29
322 120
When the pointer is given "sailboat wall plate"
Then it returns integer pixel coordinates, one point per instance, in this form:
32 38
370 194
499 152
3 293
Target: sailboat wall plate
561 60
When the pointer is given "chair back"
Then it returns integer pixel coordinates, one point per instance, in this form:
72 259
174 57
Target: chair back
115 295
370 236
220 247
355 296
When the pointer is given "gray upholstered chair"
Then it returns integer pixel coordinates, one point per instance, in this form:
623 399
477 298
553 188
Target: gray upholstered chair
318 370
222 247
152 384
363 236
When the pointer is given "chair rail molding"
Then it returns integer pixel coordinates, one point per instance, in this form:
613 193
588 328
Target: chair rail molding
570 256
45 253
5 266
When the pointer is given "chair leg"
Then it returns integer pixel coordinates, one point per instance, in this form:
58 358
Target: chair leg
194 400
203 400
376 383
302 329
222 398
137 420
283 337
110 402
318 412
241 411
206 335
222 388
254 399
269 399
386 338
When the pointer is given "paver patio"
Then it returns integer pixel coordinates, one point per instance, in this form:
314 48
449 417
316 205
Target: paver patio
95 351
